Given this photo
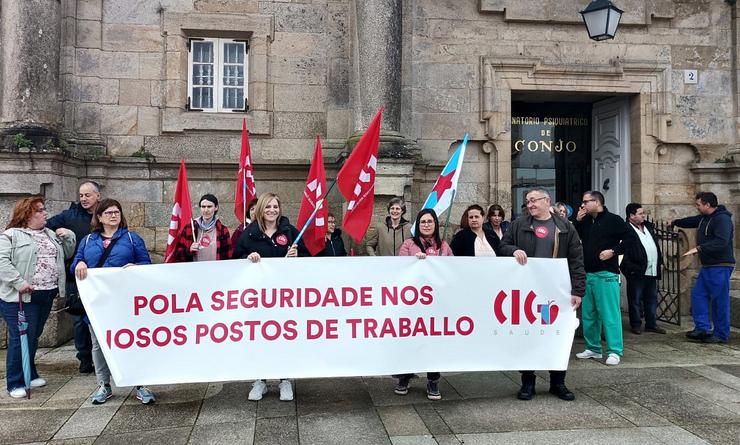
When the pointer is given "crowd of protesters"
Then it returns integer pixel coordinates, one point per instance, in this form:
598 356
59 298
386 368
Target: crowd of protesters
40 260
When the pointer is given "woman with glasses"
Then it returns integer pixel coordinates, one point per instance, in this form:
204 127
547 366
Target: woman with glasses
32 268
110 244
425 242
473 239
334 243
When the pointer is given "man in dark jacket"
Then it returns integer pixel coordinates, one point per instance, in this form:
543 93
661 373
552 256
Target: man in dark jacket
545 235
602 233
714 237
77 219
641 266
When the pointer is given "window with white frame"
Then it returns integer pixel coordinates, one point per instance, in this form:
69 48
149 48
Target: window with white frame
217 74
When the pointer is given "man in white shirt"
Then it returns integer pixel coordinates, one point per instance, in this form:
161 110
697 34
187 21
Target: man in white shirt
641 266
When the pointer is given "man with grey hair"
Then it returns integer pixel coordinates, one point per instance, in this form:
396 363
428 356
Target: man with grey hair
77 219
543 234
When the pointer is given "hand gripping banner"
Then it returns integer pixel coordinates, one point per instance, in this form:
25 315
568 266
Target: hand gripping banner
329 317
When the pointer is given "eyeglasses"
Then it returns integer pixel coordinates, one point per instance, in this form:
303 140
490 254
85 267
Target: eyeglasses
112 213
426 223
533 200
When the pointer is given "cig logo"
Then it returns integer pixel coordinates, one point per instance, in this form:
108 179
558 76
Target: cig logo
548 312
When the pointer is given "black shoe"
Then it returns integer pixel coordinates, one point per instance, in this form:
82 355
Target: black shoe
526 392
636 331
562 392
402 387
86 367
657 330
698 335
713 339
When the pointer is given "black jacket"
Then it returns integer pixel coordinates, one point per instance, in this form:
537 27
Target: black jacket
76 219
463 243
334 246
714 235
520 235
634 262
606 231
276 246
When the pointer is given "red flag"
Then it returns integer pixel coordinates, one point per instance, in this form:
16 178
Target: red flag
356 181
182 211
315 235
245 187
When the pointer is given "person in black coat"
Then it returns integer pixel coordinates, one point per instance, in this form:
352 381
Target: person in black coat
334 242
269 235
641 266
473 239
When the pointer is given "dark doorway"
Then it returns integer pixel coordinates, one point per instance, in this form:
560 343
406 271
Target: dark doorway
550 148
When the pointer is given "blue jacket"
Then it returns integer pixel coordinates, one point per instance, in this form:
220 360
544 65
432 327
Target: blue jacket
714 235
129 248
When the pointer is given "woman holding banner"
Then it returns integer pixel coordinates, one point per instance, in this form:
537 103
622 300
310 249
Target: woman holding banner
426 242
473 239
31 268
270 235
211 239
110 244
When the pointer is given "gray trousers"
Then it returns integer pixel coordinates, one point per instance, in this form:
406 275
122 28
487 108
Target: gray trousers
102 373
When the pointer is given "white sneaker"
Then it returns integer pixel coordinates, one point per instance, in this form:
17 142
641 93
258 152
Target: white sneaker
259 389
286 390
588 354
38 382
18 393
613 359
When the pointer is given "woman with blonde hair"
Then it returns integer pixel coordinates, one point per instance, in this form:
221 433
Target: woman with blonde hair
31 275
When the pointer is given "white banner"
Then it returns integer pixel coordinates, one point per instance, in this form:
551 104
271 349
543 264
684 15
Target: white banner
329 317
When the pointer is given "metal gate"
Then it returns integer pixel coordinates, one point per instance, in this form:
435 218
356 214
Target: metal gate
669 286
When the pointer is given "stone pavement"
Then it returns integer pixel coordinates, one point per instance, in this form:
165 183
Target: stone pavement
666 390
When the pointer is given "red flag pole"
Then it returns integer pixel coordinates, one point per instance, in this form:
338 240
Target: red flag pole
319 203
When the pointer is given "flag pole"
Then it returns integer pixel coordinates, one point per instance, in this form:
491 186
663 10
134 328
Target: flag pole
449 212
244 198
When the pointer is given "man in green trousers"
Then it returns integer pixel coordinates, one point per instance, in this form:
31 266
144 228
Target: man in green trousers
602 234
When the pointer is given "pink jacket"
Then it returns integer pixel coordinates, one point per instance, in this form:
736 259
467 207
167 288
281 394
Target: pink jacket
409 248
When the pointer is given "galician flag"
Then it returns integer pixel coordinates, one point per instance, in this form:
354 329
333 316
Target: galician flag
443 192
182 211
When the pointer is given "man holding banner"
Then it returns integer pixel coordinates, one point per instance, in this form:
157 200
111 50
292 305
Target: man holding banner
542 234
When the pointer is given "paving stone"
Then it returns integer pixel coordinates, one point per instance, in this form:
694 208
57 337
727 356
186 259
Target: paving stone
192 392
87 422
159 415
413 440
579 378
727 433
630 410
73 393
227 402
75 441
483 384
331 395
509 414
674 402
272 406
359 427
381 391
402 421
447 440
615 436
434 423
33 424
730 369
223 433
169 436
276 431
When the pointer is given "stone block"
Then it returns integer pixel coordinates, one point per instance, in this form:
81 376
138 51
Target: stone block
126 37
176 93
117 120
87 118
134 212
90 9
191 148
88 34
299 125
156 92
302 98
442 100
298 70
123 145
440 75
298 44
157 214
228 6
136 191
57 330
338 83
150 66
134 92
701 57
295 17
148 121
337 124
177 65
447 126
138 12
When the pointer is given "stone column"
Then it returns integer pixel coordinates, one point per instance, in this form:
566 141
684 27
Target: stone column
29 70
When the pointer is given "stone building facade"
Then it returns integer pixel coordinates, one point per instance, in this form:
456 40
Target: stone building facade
102 91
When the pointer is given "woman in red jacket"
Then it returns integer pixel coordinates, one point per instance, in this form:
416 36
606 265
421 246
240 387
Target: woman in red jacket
211 241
